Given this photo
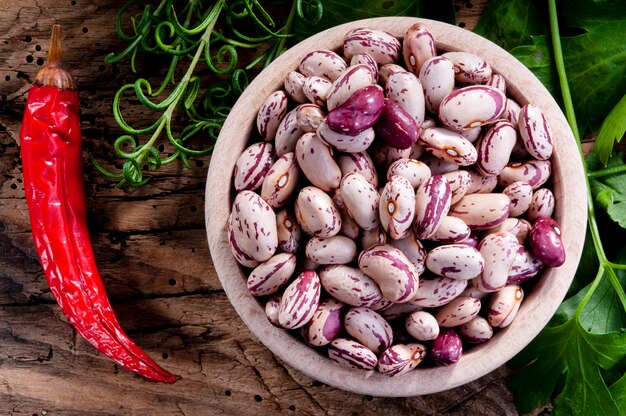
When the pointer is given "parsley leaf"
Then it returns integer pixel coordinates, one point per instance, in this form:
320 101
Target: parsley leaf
593 52
609 191
511 23
568 354
538 58
612 130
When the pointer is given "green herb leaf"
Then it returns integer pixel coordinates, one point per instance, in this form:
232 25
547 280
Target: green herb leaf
342 11
618 391
612 130
609 190
538 58
511 23
596 60
570 353
587 267
593 52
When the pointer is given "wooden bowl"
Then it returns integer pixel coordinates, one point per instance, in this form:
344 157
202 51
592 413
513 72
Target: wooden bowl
539 305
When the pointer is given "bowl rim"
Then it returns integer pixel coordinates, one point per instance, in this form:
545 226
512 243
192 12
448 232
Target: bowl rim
535 312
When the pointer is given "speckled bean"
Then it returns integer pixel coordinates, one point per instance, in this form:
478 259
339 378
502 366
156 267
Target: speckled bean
504 305
399 310
396 126
481 184
541 205
472 106
359 112
458 312
437 78
316 213
413 249
338 249
270 276
472 134
316 160
499 251
384 71
252 166
456 261
469 68
272 306
373 237
482 211
391 270
349 227
405 89
397 207
436 165
294 81
535 132
497 81
288 133
451 230
252 229
447 348
460 182
422 326
438 291
281 180
520 195
418 46
365 59
432 203
360 163
380 45
401 358
519 227
326 324
352 79
369 328
511 112
352 354
414 170
476 331
534 172
449 146
495 147
350 285
309 117
545 242
272 111
361 199
322 63
289 232
384 154
316 89
345 142
525 267
300 300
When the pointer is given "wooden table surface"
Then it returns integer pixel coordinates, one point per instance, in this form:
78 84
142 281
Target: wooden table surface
151 248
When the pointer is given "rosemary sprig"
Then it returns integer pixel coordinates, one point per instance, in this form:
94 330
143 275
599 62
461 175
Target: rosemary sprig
207 32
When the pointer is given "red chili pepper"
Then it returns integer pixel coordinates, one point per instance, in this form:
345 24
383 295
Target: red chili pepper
53 180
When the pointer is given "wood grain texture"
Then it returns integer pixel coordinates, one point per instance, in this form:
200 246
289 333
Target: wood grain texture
151 247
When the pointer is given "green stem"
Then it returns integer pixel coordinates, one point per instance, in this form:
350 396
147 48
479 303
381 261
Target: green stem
166 118
592 288
606 172
571 118
288 25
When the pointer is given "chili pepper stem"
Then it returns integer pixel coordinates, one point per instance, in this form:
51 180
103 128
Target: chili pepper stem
53 72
